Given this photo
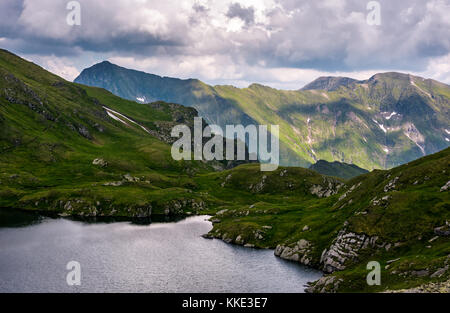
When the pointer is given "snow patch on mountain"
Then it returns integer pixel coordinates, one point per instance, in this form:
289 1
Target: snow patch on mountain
119 116
116 118
380 125
390 115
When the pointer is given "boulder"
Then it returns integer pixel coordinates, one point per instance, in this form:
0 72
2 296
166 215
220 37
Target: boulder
443 230
446 187
100 162
129 178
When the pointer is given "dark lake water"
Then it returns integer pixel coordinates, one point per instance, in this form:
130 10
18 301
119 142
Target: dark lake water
127 257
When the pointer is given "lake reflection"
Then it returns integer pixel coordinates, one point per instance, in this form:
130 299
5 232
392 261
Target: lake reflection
127 257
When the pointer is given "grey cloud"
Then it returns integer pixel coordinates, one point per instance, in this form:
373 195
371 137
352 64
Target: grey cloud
199 8
245 14
41 28
312 35
323 35
9 14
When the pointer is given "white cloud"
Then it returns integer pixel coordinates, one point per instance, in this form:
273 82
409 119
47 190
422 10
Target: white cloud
58 67
282 43
62 67
438 69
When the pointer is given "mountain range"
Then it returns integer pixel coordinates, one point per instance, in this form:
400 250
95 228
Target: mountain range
68 149
385 121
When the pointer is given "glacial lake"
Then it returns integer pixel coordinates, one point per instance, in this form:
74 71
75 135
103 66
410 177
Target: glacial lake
121 256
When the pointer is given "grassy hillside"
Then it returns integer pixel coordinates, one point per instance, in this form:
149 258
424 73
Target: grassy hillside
66 149
382 122
53 130
399 218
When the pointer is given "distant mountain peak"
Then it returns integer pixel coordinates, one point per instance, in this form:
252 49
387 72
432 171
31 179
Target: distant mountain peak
329 83
256 86
351 125
104 63
392 75
333 83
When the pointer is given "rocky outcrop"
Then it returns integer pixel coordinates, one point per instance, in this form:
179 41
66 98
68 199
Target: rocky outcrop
177 207
100 162
226 180
439 287
299 252
328 188
350 190
329 284
19 92
258 187
107 208
443 230
248 237
81 207
410 131
114 183
446 187
127 178
345 247
391 185
83 131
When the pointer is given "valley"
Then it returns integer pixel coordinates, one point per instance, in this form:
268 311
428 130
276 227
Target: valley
69 149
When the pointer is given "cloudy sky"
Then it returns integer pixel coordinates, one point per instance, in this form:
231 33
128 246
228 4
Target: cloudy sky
280 43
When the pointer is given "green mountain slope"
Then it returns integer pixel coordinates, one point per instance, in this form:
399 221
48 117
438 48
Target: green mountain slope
399 218
76 150
382 122
337 169
143 87
81 150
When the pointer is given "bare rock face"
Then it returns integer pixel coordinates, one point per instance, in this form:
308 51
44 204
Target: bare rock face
345 247
328 188
299 252
143 211
410 131
175 207
391 185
